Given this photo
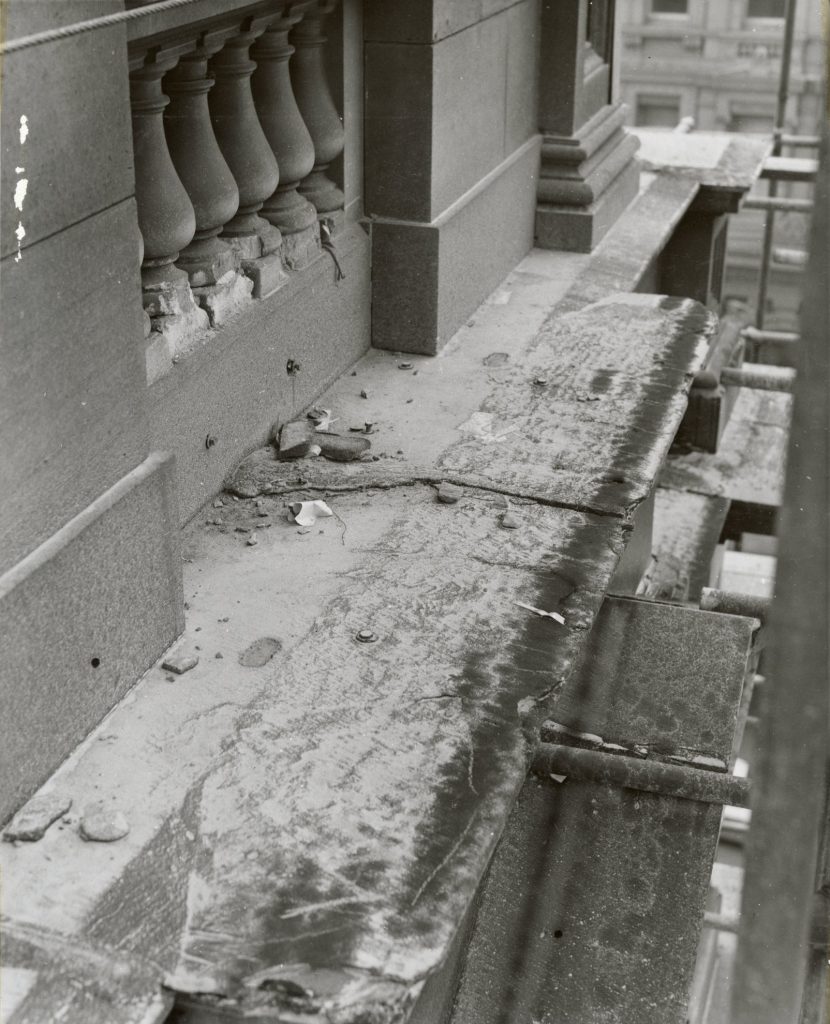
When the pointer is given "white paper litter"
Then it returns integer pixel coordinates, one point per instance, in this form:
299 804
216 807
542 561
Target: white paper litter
538 611
482 426
306 513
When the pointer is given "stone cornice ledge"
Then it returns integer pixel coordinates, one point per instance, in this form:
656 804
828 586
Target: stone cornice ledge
308 829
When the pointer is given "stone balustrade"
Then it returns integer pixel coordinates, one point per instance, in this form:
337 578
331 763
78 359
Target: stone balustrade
231 146
249 157
288 134
311 88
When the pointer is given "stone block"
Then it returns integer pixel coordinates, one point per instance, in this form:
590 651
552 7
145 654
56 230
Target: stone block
223 300
300 248
427 22
437 122
57 86
266 273
73 385
84 615
428 278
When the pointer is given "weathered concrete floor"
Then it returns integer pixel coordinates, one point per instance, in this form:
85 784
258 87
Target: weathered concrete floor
305 835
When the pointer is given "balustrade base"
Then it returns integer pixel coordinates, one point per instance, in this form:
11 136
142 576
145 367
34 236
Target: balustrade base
260 257
172 337
267 274
223 300
322 192
301 247
208 266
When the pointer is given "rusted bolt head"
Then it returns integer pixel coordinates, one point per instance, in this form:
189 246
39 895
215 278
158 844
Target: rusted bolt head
366 636
540 382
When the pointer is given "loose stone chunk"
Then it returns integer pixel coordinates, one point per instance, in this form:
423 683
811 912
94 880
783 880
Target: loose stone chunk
102 824
260 652
34 818
449 494
180 663
295 439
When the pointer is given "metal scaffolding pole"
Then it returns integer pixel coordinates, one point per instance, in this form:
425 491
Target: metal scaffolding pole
775 979
780 114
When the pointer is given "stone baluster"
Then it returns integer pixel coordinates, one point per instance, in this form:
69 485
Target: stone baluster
288 137
166 218
311 87
248 155
211 264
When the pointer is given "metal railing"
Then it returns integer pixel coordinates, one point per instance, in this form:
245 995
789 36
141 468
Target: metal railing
782 959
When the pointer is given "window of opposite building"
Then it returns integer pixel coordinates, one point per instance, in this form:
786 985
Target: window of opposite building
657 111
759 122
669 6
766 8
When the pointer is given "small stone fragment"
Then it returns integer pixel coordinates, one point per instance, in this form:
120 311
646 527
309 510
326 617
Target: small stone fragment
218 503
363 394
259 503
449 494
509 521
252 540
101 824
260 652
496 359
295 439
501 501
180 663
219 655
34 818
341 448
263 513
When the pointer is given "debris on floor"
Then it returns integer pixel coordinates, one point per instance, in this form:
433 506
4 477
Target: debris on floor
101 824
34 818
340 448
295 439
306 513
180 663
539 611
510 521
260 652
449 494
496 359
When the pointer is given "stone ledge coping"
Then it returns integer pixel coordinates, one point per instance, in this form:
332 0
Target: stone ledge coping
307 830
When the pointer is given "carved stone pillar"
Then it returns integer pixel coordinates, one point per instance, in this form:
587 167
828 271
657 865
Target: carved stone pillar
165 218
211 264
311 87
288 137
588 174
249 157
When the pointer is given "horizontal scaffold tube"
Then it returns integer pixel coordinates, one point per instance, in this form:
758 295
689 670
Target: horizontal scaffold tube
684 783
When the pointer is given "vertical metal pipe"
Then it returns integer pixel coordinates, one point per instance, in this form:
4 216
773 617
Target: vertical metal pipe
787 813
780 115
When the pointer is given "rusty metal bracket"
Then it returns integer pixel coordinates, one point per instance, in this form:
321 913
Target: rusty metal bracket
632 773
